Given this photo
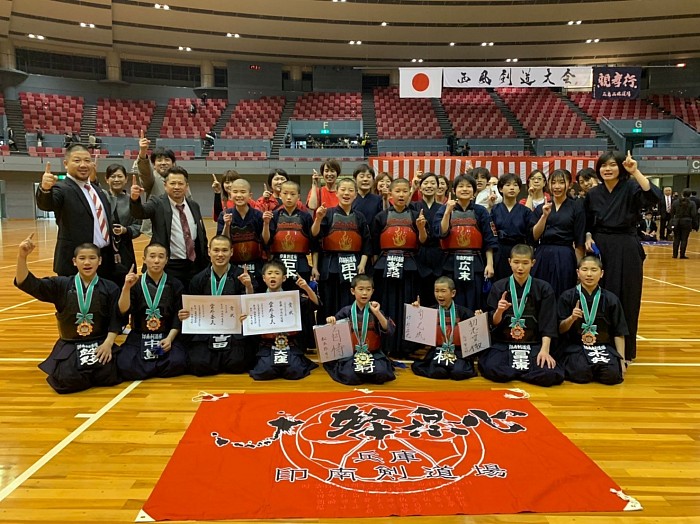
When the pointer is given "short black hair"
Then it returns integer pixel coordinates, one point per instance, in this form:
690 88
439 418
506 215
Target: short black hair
446 280
177 170
509 177
522 250
86 245
161 151
469 179
221 237
480 172
591 258
619 158
357 279
273 173
76 147
361 169
585 174
274 263
156 244
113 168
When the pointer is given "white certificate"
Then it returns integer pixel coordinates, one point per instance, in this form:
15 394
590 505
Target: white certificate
474 334
271 313
333 341
212 315
420 325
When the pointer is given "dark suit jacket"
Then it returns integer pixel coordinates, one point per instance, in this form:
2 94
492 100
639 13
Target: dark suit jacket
75 223
161 214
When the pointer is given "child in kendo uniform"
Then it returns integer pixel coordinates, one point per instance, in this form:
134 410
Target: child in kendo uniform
86 312
593 329
523 313
279 355
445 360
368 326
223 353
397 233
153 300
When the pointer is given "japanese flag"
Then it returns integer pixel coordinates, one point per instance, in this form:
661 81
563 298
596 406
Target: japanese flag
420 83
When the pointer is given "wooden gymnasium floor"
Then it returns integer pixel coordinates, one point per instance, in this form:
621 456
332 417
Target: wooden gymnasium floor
95 456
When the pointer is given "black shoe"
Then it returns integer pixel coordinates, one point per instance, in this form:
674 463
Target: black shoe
674 256
684 256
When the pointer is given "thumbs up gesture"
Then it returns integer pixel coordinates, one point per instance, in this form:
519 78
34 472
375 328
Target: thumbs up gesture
421 221
27 246
136 189
577 312
216 185
48 179
503 304
143 144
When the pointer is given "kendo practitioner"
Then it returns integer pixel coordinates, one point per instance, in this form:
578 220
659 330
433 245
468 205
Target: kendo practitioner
557 227
397 233
368 203
153 300
468 241
345 248
281 355
523 313
244 225
368 327
512 221
86 313
222 353
592 329
445 359
612 212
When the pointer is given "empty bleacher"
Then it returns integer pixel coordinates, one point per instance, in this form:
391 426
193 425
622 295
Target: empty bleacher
474 114
328 106
237 155
253 119
687 109
179 123
615 109
404 118
123 118
54 114
543 114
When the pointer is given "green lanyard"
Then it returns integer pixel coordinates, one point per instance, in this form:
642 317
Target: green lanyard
217 290
447 342
361 346
84 301
518 306
152 311
588 326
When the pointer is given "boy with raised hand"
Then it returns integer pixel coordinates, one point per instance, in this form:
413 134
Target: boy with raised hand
86 312
243 224
445 360
225 353
153 300
368 326
281 355
593 329
523 313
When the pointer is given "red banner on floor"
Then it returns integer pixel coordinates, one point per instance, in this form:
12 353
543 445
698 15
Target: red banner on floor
406 166
316 455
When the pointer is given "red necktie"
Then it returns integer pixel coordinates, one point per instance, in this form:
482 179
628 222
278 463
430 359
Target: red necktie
189 243
101 219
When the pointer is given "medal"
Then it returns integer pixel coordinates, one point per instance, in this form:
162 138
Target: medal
517 323
588 329
217 290
448 348
83 319
360 335
153 316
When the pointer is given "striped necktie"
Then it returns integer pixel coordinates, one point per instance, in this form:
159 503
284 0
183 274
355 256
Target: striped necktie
101 218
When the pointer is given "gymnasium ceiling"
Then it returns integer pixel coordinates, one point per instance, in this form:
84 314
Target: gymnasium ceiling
308 32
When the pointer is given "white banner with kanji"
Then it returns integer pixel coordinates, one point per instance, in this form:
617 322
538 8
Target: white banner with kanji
517 76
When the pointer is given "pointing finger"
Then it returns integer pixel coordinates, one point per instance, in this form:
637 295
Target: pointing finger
505 294
143 134
134 182
629 154
214 176
578 304
47 169
133 268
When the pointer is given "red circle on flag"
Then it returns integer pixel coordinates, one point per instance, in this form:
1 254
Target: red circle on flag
420 82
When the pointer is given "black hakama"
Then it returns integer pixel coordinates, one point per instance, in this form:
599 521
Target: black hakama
512 227
68 367
429 256
599 362
611 217
510 359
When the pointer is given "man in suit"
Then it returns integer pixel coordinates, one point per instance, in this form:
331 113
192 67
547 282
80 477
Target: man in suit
665 212
176 223
82 211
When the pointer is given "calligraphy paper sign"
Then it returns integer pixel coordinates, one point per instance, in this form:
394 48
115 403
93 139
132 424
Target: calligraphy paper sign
271 313
333 341
474 334
420 325
212 315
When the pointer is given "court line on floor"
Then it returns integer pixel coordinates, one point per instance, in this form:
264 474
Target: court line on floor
672 284
12 486
28 262
667 364
668 339
669 303
22 359
26 316
17 305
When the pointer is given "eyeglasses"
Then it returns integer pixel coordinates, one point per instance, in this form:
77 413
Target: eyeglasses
537 178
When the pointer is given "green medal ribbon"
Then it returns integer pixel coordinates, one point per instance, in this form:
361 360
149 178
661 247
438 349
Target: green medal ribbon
361 347
152 311
84 301
217 290
518 306
588 326
447 341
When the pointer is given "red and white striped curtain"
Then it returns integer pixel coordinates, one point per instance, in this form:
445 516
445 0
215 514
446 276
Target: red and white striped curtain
451 166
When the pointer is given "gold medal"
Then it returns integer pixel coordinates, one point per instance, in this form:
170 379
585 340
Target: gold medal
84 329
588 339
517 333
362 358
153 324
